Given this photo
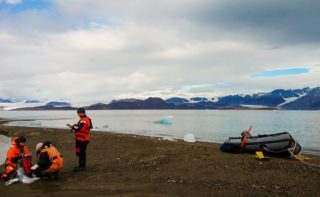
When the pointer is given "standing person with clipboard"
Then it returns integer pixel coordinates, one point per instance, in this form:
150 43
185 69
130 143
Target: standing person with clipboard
81 131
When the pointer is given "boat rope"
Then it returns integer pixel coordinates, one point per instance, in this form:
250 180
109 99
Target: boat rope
298 157
310 164
292 155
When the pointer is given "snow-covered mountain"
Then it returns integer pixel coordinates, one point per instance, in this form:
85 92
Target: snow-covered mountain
11 103
304 99
298 99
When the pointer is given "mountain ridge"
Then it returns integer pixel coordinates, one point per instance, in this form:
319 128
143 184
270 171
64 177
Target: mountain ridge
290 99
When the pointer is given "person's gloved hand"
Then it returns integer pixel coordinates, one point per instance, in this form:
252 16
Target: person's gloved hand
15 159
27 156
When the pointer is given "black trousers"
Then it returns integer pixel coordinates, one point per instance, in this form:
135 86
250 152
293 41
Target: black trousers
81 148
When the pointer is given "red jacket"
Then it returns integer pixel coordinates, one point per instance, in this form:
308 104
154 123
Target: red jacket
82 129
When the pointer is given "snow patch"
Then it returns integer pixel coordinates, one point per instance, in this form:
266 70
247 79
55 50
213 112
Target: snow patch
291 99
255 106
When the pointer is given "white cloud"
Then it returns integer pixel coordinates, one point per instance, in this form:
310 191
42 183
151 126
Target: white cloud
90 51
11 1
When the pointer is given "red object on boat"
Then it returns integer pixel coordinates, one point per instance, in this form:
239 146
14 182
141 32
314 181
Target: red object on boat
245 137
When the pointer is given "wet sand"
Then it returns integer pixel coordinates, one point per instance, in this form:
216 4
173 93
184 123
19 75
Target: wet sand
128 165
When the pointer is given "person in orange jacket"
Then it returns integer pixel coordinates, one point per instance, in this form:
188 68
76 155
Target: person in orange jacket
81 130
18 152
49 161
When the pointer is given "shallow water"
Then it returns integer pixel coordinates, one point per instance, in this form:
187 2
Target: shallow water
4 145
206 125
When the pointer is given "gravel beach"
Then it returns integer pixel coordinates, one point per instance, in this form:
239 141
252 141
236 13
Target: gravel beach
129 165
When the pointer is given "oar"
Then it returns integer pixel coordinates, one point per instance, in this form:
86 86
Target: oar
245 137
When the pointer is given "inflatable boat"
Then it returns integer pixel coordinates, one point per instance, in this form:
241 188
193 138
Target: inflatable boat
275 144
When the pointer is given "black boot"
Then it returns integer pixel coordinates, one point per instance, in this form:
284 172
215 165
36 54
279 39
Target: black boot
55 175
81 167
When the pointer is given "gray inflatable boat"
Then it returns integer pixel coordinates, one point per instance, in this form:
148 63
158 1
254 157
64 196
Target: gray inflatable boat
276 144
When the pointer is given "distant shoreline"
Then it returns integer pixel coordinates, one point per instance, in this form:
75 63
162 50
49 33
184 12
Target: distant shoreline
58 109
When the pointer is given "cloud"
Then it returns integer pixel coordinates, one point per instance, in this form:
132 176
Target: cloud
281 23
88 51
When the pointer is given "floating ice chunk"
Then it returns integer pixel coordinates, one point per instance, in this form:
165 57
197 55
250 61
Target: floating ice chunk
105 126
189 138
165 121
36 123
169 139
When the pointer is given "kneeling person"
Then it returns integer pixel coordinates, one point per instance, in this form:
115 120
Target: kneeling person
18 154
49 162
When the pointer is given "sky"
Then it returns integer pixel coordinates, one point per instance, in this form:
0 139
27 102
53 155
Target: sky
88 51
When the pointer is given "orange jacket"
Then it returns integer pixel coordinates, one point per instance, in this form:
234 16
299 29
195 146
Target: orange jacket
84 125
55 158
12 156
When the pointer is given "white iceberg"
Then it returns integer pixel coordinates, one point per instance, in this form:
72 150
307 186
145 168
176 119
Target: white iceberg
189 138
164 121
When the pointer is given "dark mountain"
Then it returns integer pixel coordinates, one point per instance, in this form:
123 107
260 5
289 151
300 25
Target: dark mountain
302 91
198 105
277 97
58 104
284 93
32 101
232 99
97 106
150 103
155 103
124 104
176 100
311 101
299 99
126 100
199 99
6 101
271 99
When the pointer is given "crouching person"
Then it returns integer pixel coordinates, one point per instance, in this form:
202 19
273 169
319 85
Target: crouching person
49 162
18 154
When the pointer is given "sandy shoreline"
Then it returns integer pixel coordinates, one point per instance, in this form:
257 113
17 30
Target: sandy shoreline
128 165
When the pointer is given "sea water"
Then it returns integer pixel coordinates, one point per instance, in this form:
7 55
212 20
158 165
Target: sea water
205 125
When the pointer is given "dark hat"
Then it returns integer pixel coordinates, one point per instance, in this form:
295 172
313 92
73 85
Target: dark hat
46 144
81 110
22 139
